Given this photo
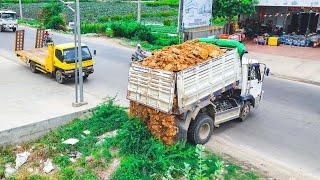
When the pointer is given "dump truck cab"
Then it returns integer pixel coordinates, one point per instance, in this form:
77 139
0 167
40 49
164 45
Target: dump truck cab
8 20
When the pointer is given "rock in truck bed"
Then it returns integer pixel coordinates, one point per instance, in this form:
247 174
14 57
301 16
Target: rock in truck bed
179 57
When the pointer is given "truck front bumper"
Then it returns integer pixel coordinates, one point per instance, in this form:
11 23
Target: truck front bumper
9 26
71 73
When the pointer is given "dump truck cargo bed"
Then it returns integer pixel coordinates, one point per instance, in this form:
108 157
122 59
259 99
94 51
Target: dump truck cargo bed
37 55
159 89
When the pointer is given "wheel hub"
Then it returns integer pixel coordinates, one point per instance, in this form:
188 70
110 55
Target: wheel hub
204 131
246 110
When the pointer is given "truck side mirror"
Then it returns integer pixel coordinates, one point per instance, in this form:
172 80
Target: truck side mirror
267 72
94 52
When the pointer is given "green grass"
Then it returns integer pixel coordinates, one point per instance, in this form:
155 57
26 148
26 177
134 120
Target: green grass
143 156
173 3
31 22
93 11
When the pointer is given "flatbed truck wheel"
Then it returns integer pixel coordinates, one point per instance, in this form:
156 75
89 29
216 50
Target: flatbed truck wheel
33 67
59 77
85 76
200 129
245 111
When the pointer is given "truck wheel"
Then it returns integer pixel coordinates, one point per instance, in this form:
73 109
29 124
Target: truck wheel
200 129
245 111
33 67
14 29
59 77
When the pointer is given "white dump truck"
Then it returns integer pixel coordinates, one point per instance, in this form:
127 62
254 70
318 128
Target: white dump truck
208 94
8 20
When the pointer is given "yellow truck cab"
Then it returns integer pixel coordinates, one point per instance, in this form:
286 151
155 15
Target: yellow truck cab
57 60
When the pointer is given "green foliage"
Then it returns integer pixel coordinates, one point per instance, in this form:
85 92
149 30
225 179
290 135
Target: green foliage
33 22
160 14
49 11
132 29
36 177
51 16
33 1
93 28
56 22
174 3
134 137
2 172
219 21
6 156
167 22
232 8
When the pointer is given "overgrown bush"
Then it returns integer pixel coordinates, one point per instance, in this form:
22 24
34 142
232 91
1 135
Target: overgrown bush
142 156
51 16
173 3
131 29
56 22
93 28
167 22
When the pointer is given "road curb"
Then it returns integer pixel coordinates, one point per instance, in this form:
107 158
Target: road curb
316 83
36 130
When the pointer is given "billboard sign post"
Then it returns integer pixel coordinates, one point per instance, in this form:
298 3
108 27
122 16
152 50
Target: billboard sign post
195 13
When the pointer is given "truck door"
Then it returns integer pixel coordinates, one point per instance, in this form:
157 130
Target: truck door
255 81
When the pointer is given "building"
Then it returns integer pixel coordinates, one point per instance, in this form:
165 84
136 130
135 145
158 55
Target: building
298 16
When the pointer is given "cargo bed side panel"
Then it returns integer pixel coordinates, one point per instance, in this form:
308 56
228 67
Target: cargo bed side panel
151 87
206 79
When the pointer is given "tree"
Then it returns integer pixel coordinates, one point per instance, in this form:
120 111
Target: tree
51 16
231 8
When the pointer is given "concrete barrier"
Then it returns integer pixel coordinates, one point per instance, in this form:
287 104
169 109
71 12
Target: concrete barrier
36 130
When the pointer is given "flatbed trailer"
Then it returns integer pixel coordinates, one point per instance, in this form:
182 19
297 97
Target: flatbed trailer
37 55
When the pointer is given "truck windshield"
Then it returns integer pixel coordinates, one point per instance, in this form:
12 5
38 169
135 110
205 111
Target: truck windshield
8 16
69 54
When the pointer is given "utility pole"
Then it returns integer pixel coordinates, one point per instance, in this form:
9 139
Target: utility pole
180 30
139 11
79 54
79 100
20 5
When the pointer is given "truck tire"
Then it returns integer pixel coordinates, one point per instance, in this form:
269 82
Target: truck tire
14 29
85 77
201 129
59 77
245 111
33 67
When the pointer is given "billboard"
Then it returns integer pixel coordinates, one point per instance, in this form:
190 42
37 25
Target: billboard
293 3
196 13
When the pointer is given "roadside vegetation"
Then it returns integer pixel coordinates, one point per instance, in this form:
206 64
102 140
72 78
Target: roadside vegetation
112 144
158 27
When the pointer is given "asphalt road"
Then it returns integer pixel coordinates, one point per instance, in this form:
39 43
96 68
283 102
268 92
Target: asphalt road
286 127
